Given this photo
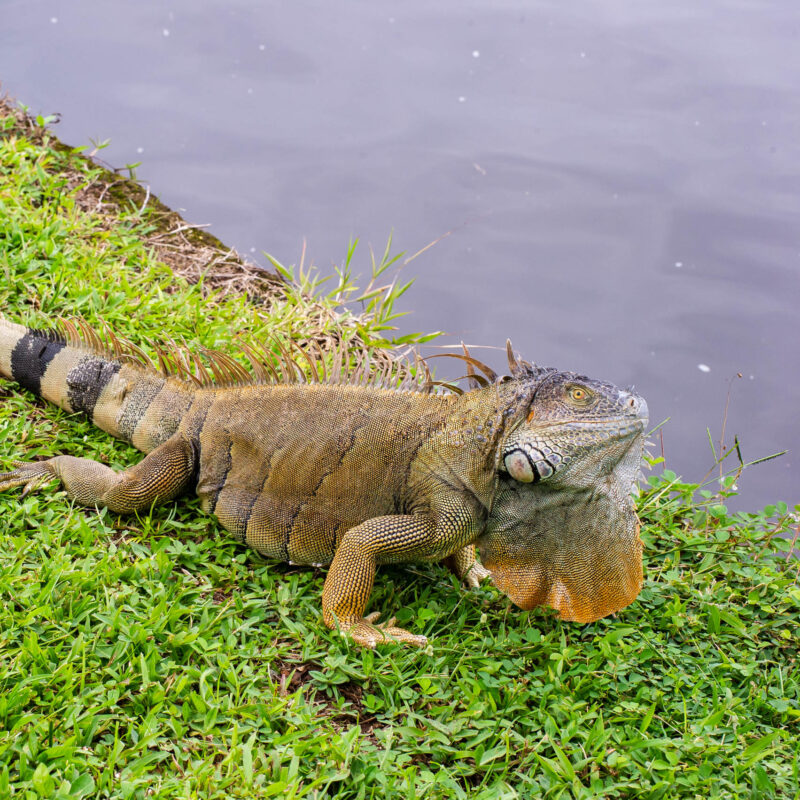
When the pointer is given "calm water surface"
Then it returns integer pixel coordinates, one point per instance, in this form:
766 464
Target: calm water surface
621 181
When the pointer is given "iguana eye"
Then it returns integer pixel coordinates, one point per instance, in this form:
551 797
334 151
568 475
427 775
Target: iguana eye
579 394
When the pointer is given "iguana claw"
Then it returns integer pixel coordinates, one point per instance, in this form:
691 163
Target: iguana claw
368 633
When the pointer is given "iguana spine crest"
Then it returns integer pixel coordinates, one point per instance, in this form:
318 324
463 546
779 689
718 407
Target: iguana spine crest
289 363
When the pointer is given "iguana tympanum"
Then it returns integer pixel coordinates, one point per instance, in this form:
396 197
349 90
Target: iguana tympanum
536 469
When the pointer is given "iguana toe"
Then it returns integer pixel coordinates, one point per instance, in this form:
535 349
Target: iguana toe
369 633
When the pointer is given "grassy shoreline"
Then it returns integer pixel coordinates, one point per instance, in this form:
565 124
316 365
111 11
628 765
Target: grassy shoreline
153 657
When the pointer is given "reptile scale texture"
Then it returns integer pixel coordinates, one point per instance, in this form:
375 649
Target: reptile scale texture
361 467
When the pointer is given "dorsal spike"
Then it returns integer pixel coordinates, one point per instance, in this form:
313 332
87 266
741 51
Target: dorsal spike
352 374
140 357
362 370
454 389
217 366
408 382
203 377
83 332
174 357
235 371
269 365
293 371
298 373
472 378
321 369
220 376
312 363
474 381
266 362
114 341
69 331
351 361
164 366
87 334
513 362
428 385
490 374
184 358
405 377
336 370
263 362
385 375
256 363
76 332
285 368
377 376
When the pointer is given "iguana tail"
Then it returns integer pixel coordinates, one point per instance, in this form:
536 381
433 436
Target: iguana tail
124 398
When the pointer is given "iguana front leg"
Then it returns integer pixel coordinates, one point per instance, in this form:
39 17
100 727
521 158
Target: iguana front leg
380 540
162 475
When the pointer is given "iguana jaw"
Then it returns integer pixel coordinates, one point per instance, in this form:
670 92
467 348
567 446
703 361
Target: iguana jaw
611 428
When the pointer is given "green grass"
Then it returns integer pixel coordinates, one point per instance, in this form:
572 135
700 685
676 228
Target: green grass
153 657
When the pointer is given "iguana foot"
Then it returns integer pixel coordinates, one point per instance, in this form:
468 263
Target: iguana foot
466 567
476 575
31 475
368 633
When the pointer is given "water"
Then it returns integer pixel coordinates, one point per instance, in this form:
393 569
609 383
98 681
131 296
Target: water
620 182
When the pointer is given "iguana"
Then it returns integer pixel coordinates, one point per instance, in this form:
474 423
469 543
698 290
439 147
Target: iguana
536 468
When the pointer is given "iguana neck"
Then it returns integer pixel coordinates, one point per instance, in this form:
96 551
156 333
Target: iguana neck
466 450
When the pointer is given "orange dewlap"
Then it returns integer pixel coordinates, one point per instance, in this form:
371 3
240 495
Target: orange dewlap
581 589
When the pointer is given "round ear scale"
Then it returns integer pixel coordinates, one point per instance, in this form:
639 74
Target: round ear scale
519 466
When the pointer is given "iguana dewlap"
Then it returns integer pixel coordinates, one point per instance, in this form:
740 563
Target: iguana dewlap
331 472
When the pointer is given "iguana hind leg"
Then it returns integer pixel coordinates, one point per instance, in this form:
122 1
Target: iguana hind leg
161 475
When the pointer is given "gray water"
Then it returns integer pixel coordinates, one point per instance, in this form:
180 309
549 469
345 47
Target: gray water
620 181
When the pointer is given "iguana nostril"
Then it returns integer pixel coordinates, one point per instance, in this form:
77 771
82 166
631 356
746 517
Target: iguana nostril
635 404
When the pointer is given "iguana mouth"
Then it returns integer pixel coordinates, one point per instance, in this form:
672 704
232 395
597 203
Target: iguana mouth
610 425
632 427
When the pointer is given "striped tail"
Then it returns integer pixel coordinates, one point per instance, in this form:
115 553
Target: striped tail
126 400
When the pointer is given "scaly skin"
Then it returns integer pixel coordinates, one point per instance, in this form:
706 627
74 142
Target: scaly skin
355 477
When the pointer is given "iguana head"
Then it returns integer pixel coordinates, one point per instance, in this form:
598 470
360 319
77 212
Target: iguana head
562 530
574 429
